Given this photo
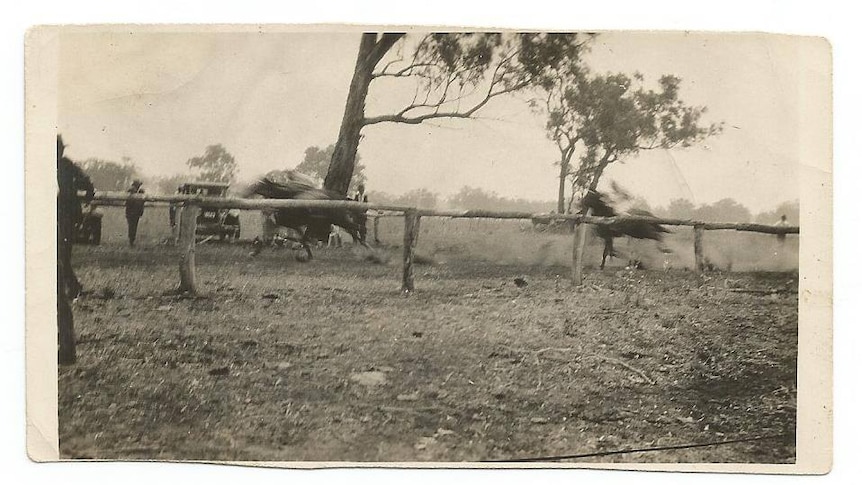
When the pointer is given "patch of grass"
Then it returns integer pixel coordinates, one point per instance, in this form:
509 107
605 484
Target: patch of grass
475 367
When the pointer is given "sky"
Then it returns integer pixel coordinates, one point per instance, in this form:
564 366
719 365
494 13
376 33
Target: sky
160 98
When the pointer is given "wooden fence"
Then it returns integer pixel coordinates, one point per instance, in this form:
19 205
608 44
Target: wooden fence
190 207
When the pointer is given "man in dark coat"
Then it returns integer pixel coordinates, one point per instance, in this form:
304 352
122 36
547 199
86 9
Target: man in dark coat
70 179
134 210
362 217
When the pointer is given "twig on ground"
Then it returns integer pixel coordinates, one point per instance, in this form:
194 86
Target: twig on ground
627 366
393 409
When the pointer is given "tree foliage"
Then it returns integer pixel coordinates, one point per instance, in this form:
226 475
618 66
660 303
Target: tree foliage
610 117
168 184
108 175
316 164
216 165
455 75
724 210
679 209
789 209
421 198
474 198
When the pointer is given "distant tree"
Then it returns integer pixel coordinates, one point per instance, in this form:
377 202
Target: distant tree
724 210
168 185
475 198
612 117
421 198
316 164
108 175
216 165
379 197
678 209
456 75
789 209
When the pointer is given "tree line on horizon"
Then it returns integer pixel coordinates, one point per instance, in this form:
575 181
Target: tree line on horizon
217 165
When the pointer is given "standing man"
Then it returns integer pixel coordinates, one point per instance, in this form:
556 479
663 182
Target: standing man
70 179
362 217
134 210
782 223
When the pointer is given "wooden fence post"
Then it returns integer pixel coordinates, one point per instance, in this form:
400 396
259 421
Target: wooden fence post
411 236
698 249
188 227
579 239
175 230
376 226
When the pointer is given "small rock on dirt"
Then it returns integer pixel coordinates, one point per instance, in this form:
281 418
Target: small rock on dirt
413 396
370 378
164 308
219 371
424 442
520 282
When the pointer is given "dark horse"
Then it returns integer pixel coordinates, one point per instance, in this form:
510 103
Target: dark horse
309 223
602 207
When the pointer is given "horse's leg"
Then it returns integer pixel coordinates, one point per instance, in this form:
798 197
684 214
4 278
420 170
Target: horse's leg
257 246
358 237
306 245
607 251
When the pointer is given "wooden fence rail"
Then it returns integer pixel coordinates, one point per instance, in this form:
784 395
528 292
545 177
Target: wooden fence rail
412 216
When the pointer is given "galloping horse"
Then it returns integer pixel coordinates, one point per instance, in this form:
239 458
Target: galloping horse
311 222
602 207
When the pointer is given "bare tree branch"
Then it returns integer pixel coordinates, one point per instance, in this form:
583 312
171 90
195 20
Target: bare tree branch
382 46
415 120
404 72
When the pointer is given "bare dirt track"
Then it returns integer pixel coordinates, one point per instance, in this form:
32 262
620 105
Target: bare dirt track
327 361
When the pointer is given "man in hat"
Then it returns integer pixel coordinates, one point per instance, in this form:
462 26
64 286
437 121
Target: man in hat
70 179
782 223
134 210
362 217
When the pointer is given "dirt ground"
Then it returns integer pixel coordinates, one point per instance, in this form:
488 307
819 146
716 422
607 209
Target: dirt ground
328 361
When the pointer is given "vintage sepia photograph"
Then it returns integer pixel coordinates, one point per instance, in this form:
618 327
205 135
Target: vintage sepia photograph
319 246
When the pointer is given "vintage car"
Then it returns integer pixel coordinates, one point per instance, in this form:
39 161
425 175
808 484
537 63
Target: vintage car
213 221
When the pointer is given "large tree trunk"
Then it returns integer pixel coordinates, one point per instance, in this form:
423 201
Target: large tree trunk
565 162
600 169
371 50
561 194
578 191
